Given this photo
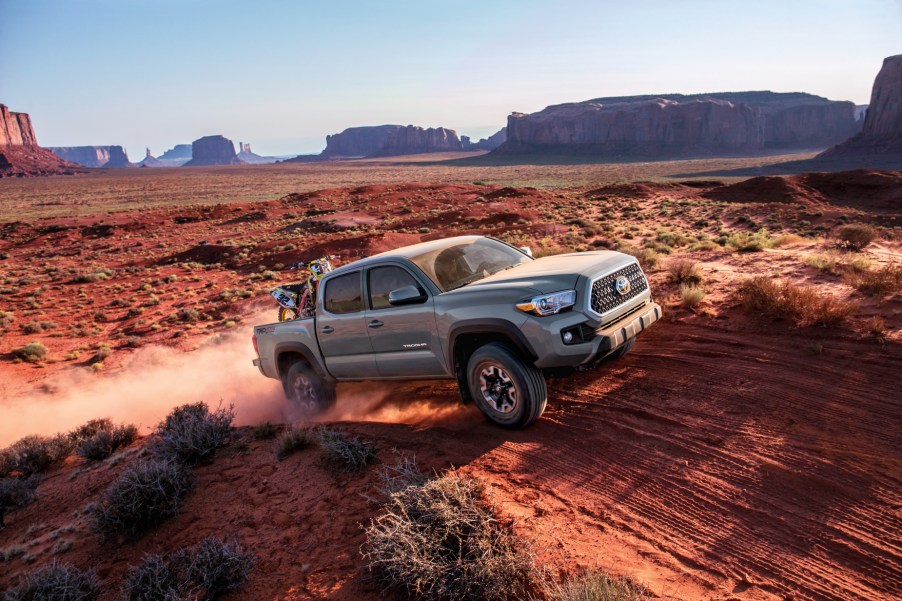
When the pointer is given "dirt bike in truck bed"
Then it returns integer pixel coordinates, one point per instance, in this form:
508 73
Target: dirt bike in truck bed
470 308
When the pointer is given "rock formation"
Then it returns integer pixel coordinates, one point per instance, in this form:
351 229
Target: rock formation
93 156
416 140
248 156
677 124
491 143
213 150
20 154
150 161
177 152
357 142
882 131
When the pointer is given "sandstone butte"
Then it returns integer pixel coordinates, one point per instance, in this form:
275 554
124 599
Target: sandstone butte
93 156
213 150
386 140
679 125
20 154
882 131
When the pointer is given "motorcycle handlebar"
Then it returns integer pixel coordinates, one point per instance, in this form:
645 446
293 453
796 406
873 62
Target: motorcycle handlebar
300 264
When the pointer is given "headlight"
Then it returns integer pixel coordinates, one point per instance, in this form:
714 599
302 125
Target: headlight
549 304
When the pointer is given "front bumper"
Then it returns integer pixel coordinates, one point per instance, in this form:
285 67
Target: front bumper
597 342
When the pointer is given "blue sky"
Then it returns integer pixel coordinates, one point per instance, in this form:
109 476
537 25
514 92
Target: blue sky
282 75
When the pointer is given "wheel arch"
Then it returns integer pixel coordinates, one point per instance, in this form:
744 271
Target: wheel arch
467 336
288 353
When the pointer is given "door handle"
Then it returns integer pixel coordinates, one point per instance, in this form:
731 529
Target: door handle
376 324
328 329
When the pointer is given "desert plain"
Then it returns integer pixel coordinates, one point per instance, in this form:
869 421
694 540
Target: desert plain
744 448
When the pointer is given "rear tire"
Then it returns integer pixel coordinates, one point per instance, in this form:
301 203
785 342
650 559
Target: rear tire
509 392
306 390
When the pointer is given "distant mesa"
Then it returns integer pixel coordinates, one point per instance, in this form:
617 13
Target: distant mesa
491 143
213 150
93 156
882 131
682 125
178 152
385 140
20 155
248 156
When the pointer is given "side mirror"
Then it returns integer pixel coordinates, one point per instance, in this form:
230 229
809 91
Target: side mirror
525 250
408 295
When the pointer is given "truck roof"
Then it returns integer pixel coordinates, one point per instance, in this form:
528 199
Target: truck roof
406 252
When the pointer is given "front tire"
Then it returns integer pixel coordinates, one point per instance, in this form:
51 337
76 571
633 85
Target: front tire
306 390
508 391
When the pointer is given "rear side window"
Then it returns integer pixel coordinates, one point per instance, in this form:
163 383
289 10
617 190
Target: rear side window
383 280
343 294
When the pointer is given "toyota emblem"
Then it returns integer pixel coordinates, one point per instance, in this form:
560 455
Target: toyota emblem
623 286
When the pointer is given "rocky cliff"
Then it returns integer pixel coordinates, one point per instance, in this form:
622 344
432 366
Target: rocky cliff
177 152
417 140
678 124
15 129
882 131
20 155
491 143
93 156
356 142
213 150
654 127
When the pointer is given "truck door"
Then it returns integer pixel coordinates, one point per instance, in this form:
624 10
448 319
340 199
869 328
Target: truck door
404 338
342 331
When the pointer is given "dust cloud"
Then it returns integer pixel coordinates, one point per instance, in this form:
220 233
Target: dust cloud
156 378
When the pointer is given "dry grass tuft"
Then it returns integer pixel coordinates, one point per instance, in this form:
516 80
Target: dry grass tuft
691 296
293 440
443 539
345 453
683 271
878 282
804 305
595 585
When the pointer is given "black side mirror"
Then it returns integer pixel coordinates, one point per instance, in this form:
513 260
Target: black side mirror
408 295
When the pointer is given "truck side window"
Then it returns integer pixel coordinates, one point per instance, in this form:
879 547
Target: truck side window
383 280
343 294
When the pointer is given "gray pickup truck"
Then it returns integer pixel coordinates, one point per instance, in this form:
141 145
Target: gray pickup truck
471 308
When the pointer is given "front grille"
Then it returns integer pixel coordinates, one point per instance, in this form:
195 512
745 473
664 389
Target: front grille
605 297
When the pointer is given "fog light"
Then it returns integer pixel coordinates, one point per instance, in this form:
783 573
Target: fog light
568 337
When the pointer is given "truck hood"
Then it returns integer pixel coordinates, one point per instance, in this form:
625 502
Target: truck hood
558 272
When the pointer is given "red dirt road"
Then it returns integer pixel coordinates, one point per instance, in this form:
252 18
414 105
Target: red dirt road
709 463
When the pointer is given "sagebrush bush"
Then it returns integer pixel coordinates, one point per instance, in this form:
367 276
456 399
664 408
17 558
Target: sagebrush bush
16 493
292 440
192 433
444 540
683 271
346 453
803 305
34 454
90 428
203 572
691 295
33 352
855 236
878 282
105 442
143 496
56 582
595 585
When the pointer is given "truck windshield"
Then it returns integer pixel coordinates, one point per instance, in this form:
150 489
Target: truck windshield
465 262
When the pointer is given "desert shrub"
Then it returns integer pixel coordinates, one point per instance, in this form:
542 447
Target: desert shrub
16 493
691 295
345 453
751 242
56 582
32 352
188 315
855 236
6 318
34 454
444 540
192 433
878 282
783 300
90 428
264 431
97 275
141 497
204 572
683 271
595 585
104 443
36 327
833 262
293 440
648 258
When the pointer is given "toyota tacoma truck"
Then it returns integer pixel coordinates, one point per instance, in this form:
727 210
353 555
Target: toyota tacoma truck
470 308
